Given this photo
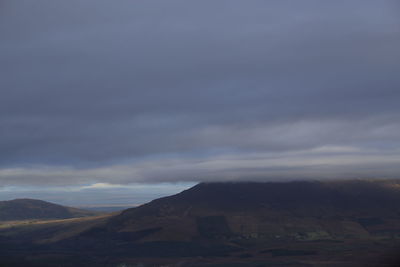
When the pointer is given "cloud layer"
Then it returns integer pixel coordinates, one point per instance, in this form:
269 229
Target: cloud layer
156 91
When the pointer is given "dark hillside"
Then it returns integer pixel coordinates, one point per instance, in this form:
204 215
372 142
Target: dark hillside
26 209
302 198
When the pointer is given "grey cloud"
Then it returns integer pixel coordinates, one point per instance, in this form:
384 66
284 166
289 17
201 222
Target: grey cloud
327 162
87 84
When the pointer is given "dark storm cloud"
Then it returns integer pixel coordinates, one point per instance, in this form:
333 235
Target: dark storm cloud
162 90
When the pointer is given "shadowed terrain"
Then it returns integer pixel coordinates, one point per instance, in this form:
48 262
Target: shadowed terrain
340 223
24 209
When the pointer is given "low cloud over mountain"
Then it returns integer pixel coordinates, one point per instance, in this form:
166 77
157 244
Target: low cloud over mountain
155 91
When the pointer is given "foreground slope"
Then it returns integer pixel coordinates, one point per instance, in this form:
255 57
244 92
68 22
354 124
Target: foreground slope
26 209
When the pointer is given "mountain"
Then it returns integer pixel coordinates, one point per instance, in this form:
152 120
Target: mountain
338 223
26 209
295 210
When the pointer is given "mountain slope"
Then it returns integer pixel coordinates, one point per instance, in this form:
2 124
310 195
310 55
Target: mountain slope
25 209
296 210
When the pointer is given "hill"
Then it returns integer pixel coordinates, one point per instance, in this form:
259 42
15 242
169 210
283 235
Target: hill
27 209
314 209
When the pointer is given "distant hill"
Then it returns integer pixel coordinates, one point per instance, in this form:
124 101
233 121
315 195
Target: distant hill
25 209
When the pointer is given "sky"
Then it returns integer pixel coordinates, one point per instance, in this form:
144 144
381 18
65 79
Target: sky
123 101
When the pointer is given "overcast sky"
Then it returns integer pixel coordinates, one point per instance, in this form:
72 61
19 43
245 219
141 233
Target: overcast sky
111 93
